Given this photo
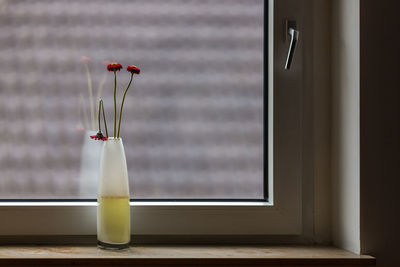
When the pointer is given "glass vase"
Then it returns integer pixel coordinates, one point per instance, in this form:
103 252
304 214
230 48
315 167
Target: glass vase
113 211
90 166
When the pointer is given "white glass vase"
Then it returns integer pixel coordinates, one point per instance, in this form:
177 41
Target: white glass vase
90 166
113 211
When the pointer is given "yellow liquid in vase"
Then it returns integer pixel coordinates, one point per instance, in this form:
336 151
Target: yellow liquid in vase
113 220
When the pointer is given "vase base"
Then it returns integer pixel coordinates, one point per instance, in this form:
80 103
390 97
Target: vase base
110 246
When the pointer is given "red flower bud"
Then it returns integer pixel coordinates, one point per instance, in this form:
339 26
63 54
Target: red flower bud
114 66
99 136
133 69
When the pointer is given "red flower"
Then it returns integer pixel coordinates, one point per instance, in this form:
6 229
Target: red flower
114 66
99 136
95 137
133 69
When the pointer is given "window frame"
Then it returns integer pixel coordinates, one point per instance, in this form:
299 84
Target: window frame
280 214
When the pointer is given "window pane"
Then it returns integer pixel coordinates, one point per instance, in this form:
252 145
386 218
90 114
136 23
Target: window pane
193 121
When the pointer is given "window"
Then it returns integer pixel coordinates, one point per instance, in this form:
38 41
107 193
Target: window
193 124
195 121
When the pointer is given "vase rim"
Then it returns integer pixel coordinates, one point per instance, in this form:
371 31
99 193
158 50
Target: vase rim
114 139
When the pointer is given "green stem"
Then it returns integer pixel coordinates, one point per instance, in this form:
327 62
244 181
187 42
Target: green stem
104 116
98 115
115 102
122 105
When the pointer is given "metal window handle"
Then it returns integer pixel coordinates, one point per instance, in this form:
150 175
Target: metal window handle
294 37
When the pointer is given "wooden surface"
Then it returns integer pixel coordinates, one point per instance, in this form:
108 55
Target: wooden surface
181 256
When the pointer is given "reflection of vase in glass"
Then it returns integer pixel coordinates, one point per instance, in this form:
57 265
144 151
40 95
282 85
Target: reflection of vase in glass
113 211
90 166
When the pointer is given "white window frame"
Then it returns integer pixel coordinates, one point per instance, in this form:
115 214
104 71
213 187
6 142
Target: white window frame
281 215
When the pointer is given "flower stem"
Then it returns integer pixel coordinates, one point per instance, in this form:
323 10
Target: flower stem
90 88
98 115
85 116
101 84
81 122
115 102
104 116
122 105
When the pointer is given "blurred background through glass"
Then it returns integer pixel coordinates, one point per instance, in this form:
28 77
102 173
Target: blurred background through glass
193 120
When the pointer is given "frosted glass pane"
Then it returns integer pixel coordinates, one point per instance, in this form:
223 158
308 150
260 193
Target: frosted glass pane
193 120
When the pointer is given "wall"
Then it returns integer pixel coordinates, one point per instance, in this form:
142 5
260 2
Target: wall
365 129
345 124
380 118
321 119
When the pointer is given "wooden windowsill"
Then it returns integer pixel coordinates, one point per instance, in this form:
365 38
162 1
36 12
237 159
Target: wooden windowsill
181 256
